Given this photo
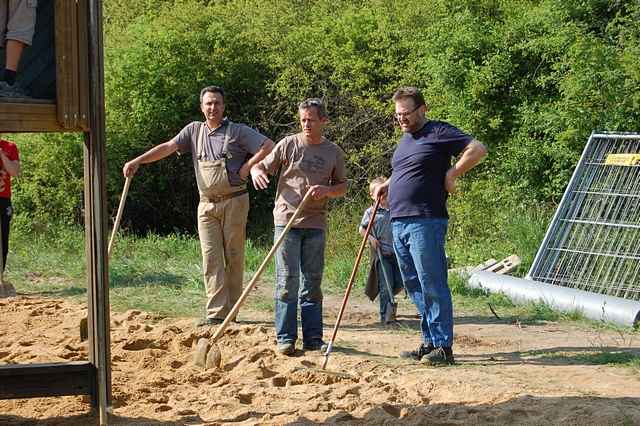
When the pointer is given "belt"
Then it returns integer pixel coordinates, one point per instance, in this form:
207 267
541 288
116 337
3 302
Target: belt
220 198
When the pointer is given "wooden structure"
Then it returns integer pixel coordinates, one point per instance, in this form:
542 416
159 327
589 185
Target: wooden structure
78 106
56 69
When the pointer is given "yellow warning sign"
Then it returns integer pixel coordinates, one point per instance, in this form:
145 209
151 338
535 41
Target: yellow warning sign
622 159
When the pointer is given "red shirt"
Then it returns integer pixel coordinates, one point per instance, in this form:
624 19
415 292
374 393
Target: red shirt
11 151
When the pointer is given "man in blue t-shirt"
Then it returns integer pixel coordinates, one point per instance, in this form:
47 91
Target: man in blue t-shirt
420 182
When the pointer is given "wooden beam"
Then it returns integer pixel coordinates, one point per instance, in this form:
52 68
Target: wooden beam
66 40
83 66
29 117
96 217
40 380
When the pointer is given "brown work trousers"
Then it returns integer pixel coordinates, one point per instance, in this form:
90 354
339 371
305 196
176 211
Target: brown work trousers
222 231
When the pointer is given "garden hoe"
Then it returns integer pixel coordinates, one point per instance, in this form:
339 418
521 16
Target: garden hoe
350 283
6 288
84 324
116 224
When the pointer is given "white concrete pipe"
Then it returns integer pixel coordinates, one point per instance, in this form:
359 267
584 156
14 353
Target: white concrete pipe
594 306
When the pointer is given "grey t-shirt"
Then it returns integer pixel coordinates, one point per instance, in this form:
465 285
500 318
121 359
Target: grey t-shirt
381 228
303 165
243 143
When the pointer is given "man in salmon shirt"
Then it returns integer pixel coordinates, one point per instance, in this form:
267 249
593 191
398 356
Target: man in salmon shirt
10 166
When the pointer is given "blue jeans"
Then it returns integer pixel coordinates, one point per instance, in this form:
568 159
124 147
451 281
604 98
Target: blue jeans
390 265
299 266
419 245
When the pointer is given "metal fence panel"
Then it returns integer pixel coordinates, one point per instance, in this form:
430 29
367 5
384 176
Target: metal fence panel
593 241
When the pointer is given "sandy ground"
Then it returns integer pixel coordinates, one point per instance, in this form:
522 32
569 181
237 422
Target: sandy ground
505 373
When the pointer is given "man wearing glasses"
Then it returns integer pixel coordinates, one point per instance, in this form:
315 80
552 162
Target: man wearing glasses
421 179
306 161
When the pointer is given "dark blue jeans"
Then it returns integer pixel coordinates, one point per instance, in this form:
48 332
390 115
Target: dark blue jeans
6 212
419 245
299 266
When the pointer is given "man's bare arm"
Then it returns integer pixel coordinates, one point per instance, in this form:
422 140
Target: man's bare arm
265 149
156 153
469 158
328 191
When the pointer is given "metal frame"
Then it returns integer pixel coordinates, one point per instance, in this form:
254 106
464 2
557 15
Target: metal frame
593 241
94 377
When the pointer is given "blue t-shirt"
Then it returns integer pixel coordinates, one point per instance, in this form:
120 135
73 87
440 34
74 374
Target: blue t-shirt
419 165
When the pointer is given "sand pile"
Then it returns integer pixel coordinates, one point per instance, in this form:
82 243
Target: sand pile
155 380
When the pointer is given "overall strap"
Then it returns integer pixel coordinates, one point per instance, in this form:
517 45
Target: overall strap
200 143
225 145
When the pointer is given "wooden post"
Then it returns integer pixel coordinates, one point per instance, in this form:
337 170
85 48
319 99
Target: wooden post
79 26
96 218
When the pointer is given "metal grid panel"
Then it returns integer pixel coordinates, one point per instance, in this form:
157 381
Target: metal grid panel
593 242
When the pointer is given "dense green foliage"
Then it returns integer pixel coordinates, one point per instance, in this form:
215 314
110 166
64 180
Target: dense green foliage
531 79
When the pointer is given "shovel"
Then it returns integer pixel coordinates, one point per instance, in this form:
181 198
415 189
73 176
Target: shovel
6 288
261 268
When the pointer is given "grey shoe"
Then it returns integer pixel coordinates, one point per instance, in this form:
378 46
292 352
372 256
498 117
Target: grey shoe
12 91
390 313
438 356
286 348
205 322
418 353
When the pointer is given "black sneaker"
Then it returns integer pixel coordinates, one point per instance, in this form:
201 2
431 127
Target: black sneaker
12 91
315 346
418 353
438 356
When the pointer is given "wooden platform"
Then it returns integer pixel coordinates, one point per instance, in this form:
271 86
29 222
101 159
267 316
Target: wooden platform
39 380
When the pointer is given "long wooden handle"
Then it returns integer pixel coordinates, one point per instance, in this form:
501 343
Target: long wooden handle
385 277
123 199
350 283
260 270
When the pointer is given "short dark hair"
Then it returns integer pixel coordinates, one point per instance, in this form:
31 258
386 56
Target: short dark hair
211 89
412 93
314 103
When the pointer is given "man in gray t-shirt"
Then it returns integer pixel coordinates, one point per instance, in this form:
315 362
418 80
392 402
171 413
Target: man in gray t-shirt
306 161
223 153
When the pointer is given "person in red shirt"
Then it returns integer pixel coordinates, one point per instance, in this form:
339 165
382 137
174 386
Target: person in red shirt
9 167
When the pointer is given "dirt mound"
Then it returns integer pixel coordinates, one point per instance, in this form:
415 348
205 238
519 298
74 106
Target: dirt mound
498 380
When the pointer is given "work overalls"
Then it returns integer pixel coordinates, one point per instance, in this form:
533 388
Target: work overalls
222 219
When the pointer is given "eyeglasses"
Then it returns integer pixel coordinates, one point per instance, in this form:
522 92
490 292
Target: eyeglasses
400 115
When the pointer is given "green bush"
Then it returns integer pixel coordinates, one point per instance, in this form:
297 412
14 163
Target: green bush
49 190
531 79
